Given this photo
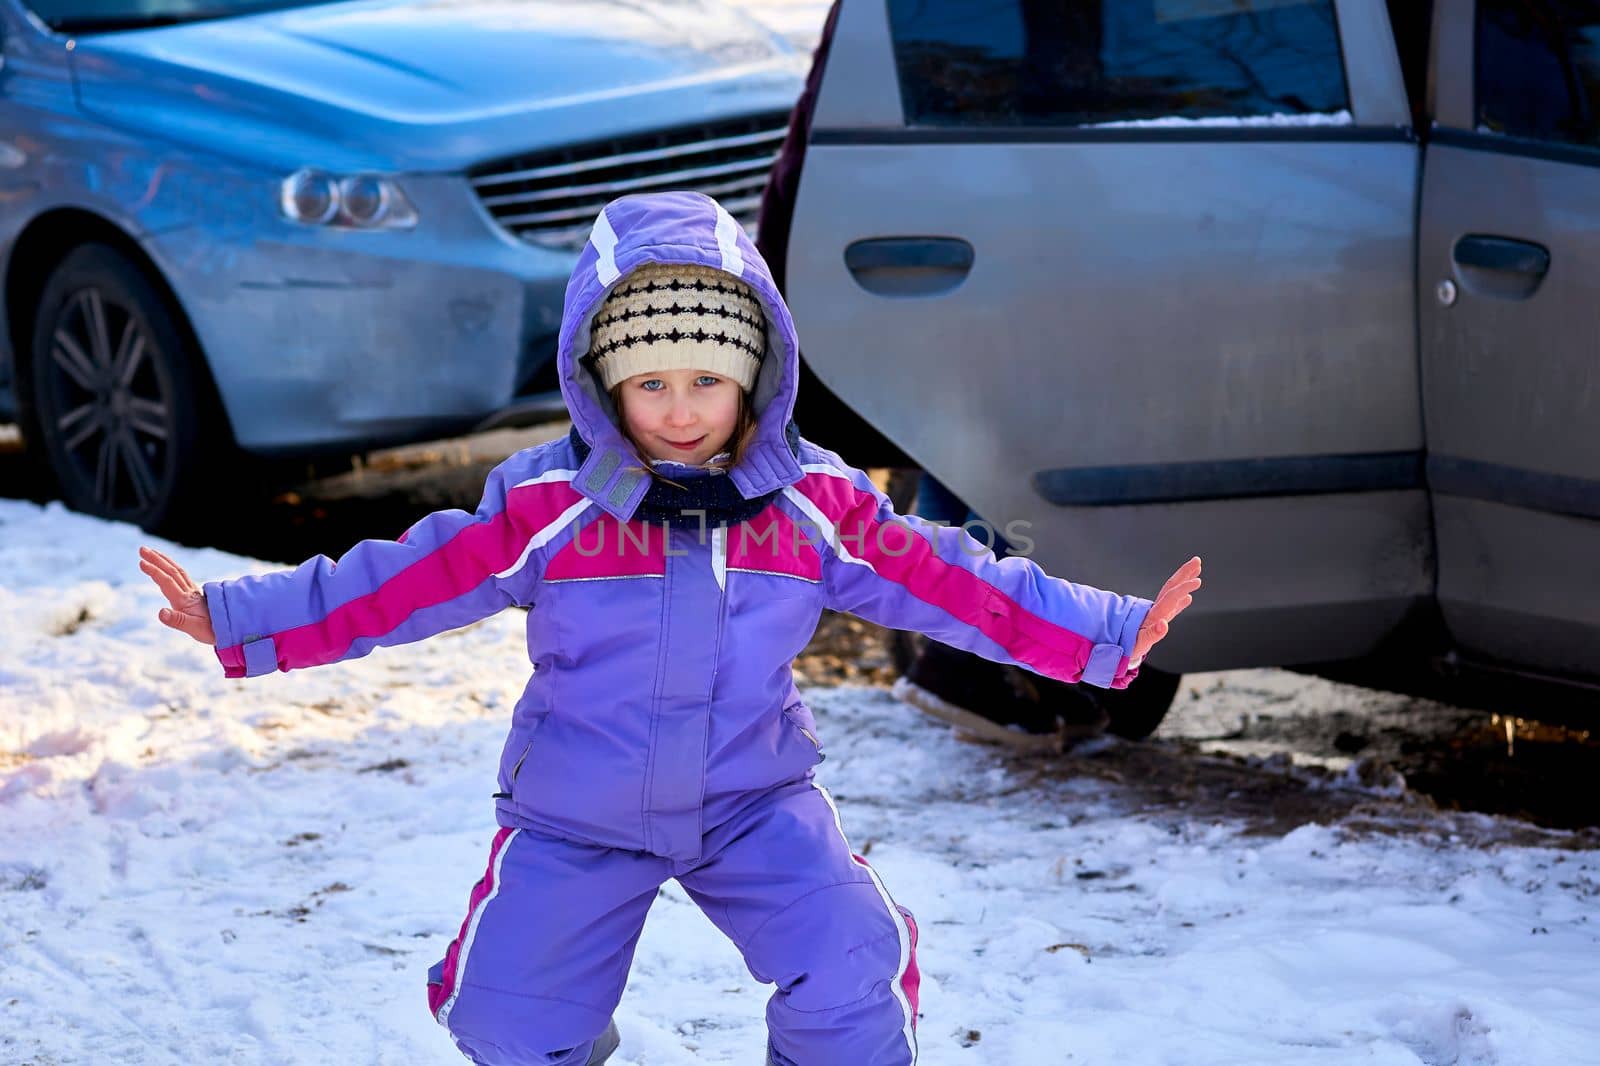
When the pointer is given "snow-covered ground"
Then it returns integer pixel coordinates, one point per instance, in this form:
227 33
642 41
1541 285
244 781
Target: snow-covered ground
199 870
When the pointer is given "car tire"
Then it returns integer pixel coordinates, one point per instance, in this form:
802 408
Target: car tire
904 647
1138 710
1132 713
121 406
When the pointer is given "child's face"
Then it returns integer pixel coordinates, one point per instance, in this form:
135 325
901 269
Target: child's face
683 415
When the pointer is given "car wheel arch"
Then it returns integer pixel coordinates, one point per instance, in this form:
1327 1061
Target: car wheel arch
43 244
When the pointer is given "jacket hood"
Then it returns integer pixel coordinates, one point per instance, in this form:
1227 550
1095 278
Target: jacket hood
682 228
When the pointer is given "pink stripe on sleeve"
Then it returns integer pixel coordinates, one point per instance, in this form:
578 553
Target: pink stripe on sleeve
898 554
455 567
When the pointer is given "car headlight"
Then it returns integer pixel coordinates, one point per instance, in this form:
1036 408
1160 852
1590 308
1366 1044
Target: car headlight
358 201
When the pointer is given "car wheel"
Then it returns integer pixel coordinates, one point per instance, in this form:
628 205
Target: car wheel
904 647
1132 713
1136 711
120 400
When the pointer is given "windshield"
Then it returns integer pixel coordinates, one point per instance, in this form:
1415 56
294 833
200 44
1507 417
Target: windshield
95 16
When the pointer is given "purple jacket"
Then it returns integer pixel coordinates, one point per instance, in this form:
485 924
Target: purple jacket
661 696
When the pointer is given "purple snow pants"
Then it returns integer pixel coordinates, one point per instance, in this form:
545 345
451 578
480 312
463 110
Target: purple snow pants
543 955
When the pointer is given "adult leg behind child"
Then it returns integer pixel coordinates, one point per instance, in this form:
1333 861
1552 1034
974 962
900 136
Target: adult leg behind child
780 880
544 952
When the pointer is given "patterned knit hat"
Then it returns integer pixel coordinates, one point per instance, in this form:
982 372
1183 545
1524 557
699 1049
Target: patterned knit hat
672 316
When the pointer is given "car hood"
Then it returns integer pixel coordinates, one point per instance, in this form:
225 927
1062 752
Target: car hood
423 83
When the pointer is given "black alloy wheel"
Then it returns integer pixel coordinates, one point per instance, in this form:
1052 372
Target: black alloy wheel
117 393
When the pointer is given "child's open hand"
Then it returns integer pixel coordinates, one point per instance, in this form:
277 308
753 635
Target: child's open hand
1175 595
188 612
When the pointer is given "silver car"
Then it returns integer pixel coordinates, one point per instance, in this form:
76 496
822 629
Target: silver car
1306 287
292 228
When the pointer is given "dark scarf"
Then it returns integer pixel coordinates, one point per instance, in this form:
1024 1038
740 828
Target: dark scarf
699 502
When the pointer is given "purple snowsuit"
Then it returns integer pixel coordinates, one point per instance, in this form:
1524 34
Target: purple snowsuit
661 734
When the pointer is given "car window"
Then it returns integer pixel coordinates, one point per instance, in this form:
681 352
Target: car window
1085 62
1538 69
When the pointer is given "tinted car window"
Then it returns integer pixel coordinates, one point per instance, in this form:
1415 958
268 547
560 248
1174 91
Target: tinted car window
1538 69
1080 62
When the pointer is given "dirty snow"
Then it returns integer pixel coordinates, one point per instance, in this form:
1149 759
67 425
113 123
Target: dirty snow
194 869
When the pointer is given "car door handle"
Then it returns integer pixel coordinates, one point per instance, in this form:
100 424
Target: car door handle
1503 254
909 266
1497 266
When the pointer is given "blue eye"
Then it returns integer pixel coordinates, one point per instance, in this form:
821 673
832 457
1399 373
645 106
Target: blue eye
653 385
708 379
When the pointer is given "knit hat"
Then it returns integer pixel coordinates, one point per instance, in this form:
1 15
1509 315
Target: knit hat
673 316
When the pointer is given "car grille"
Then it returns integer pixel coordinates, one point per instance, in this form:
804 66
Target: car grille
552 198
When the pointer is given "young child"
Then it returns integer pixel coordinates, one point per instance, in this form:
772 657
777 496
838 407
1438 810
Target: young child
676 551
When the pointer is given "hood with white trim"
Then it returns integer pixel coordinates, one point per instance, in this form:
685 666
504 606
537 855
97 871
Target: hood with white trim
672 227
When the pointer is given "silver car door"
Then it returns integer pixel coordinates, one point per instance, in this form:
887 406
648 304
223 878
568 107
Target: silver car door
1192 332
1509 252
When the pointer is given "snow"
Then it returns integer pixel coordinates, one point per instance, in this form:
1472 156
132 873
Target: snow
195 869
1312 118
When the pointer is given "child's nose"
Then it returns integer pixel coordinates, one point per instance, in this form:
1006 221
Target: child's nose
680 413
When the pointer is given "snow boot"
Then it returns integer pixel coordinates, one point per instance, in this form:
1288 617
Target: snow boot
605 1044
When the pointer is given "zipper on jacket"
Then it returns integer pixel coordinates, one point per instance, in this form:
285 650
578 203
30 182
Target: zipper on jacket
719 571
518 768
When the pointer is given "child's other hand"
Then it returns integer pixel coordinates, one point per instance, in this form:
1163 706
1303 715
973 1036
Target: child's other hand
1175 595
188 612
